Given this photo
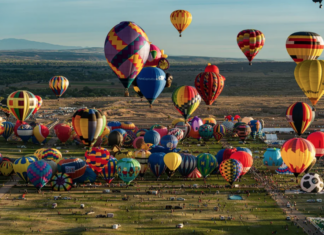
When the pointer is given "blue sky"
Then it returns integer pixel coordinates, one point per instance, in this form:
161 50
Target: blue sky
212 32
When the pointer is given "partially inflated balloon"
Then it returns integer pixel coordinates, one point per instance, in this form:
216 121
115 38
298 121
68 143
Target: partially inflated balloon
22 104
154 56
299 115
6 168
298 154
210 121
127 50
20 166
39 173
89 176
309 76
181 19
128 169
231 170
39 104
317 139
186 100
250 41
151 82
58 85
206 163
61 182
52 164
303 46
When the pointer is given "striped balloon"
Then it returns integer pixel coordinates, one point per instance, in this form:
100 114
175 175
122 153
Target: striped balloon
59 85
195 174
39 173
22 104
61 182
250 41
299 115
109 171
8 129
39 104
74 167
142 157
40 133
304 46
25 132
186 100
219 132
20 166
51 154
188 164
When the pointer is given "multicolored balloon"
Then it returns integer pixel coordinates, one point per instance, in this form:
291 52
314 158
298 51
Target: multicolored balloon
127 49
243 132
284 170
20 166
51 154
22 104
39 173
40 133
181 19
156 164
299 115
8 129
59 85
61 182
195 174
4 107
178 133
250 41
97 158
6 168
210 121
205 132
109 171
188 164
128 169
52 164
74 167
186 100
25 132
206 164
231 170
219 131
39 104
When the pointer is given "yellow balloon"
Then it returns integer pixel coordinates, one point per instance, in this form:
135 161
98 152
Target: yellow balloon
177 120
181 19
298 154
172 160
6 168
38 153
309 76
106 131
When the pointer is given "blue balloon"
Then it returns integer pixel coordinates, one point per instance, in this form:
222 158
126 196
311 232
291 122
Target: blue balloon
219 158
8 129
35 141
188 164
161 149
114 124
152 137
272 159
244 150
151 81
156 164
89 176
169 141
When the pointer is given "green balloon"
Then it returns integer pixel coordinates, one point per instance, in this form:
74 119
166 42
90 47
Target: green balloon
128 169
206 164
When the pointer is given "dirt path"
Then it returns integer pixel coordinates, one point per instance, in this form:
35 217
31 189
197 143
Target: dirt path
7 186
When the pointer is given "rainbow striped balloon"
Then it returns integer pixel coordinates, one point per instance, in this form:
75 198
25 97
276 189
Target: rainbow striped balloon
59 85
39 173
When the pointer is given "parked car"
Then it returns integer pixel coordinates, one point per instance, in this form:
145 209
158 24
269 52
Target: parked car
180 199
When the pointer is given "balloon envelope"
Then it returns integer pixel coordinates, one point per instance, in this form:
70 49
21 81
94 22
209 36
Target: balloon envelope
231 170
188 164
128 169
156 163
39 173
206 163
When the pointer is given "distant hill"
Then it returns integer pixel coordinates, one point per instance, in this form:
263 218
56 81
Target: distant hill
22 44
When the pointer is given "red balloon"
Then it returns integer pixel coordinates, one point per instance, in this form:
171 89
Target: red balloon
245 158
317 139
228 153
237 117
211 68
63 132
18 124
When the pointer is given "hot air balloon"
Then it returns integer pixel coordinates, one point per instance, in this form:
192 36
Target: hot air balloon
188 164
243 132
181 19
172 161
20 166
63 132
186 100
228 126
219 132
39 173
185 127
310 167
152 137
210 121
209 86
17 125
2 129
97 158
162 130
127 49
169 141
228 153
317 139
88 124
156 164
195 174
151 81
109 171
255 126
250 41
74 167
299 115
138 142
130 137
246 160
309 77
39 103
4 107
89 176
243 149
25 132
272 159
205 132
52 164
22 104
298 154
176 121
128 169
38 153
6 168
136 89
51 154
303 46
8 129
211 68
115 139
206 163
40 133
141 132
58 85
61 182
142 157
178 133
231 170
283 170
124 154
114 125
